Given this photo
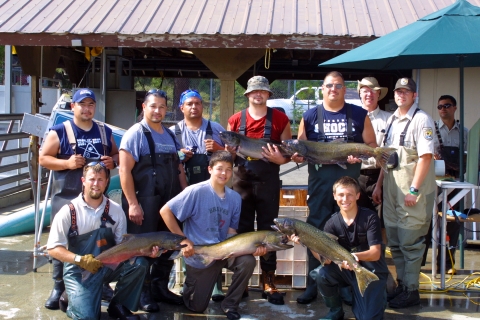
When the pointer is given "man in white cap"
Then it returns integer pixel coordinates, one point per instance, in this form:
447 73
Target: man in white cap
370 93
257 181
408 191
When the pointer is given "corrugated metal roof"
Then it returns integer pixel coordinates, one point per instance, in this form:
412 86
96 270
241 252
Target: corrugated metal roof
139 20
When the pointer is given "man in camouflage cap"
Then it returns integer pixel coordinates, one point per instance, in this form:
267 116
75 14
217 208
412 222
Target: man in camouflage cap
257 181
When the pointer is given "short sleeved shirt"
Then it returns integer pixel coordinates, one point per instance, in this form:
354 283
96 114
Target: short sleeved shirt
88 219
255 128
135 142
450 138
420 133
205 216
197 137
89 143
365 231
335 123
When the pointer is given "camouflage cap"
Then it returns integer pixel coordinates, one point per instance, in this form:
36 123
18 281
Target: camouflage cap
258 83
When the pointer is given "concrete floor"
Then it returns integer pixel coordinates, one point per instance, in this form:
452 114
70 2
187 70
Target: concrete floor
23 293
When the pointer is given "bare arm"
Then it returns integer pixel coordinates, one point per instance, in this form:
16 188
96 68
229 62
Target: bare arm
182 176
377 192
61 253
172 225
372 254
48 155
421 172
368 133
228 148
112 157
135 212
302 135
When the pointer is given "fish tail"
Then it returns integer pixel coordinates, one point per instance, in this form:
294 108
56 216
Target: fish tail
382 155
364 278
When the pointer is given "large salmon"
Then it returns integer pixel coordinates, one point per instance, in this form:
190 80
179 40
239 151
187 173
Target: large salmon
326 246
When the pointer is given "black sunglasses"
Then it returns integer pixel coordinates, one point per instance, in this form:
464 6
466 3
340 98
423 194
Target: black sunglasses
446 106
158 92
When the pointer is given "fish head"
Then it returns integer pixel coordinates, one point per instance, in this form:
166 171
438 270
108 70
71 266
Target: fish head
275 241
294 146
284 225
230 138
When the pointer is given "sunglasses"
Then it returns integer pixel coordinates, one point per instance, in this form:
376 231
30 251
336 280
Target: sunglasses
94 163
337 86
444 106
158 92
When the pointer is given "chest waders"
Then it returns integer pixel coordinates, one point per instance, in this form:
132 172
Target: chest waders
196 168
66 185
320 200
156 180
407 226
258 183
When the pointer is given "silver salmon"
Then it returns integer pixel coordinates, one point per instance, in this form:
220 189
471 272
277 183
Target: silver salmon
326 246
337 151
134 245
238 245
248 147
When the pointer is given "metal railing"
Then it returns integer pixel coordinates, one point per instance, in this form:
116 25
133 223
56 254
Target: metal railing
14 156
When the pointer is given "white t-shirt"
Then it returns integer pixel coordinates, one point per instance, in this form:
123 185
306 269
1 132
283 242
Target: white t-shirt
88 219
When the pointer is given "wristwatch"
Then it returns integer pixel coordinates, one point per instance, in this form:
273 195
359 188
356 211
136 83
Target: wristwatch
414 191
77 258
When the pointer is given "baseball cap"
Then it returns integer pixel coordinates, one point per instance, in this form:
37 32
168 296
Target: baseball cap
372 83
83 93
258 83
406 83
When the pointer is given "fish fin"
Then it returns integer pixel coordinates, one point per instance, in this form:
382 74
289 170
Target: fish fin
274 227
322 260
342 165
364 278
331 236
199 261
339 140
382 155
127 236
228 256
176 254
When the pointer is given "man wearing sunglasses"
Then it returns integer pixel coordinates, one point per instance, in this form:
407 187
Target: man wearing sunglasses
408 191
90 224
151 174
447 142
66 149
332 120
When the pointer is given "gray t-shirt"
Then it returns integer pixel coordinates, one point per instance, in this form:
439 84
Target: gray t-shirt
196 138
205 216
135 142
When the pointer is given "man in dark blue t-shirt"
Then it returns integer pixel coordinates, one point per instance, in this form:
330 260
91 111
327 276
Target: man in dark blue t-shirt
66 149
338 120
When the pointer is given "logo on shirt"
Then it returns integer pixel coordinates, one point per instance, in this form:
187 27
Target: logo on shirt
428 133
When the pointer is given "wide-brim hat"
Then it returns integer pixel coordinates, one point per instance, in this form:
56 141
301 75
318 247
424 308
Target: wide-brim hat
258 83
372 83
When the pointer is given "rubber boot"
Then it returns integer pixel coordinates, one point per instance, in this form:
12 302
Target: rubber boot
335 305
311 291
160 274
52 302
346 295
270 292
146 302
217 294
63 302
398 290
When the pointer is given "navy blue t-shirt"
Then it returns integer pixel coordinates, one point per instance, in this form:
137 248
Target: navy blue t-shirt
89 143
335 123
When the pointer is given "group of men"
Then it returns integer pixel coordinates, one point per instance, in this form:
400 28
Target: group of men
165 173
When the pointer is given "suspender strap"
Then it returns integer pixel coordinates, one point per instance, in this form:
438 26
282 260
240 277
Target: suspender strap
103 136
438 135
105 216
267 130
178 133
349 124
73 231
404 133
321 133
70 135
209 135
243 122
151 146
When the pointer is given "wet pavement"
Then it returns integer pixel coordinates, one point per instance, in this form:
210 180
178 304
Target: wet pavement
23 293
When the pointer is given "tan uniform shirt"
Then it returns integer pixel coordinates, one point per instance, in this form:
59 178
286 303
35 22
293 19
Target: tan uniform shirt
379 119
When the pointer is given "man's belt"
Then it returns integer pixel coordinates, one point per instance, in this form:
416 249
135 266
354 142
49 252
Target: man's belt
370 172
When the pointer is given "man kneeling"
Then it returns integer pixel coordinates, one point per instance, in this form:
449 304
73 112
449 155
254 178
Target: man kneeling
89 225
358 230
210 212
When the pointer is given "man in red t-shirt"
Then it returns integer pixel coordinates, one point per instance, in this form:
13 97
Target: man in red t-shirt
257 181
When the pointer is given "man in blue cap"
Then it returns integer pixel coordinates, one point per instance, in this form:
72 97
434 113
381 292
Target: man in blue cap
68 147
